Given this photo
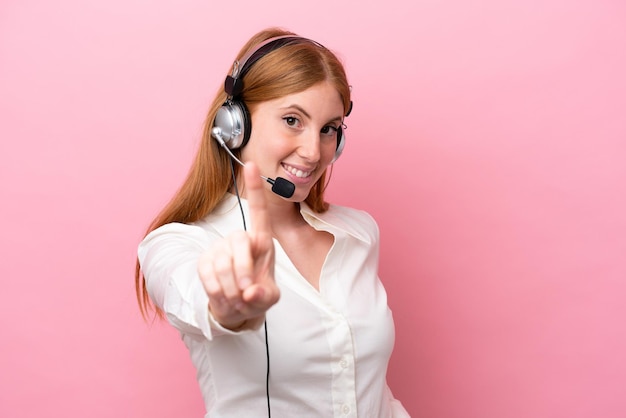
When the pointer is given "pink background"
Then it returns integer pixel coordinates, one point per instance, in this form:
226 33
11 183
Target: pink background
488 138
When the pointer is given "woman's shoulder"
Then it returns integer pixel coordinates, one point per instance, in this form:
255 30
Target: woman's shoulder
175 233
350 214
215 224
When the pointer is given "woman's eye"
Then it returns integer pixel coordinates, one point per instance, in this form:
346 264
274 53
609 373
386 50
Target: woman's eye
329 130
291 121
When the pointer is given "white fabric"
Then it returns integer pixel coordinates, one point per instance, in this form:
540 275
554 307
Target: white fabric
328 350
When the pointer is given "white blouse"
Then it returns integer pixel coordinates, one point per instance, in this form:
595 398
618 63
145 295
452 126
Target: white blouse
328 349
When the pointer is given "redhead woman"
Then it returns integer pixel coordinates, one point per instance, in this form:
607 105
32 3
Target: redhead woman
274 291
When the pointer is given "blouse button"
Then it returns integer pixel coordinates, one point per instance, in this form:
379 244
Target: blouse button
343 364
345 409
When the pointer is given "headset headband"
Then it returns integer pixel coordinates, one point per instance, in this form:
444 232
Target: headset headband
233 85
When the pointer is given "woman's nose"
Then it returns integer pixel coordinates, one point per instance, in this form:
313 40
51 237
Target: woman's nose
309 147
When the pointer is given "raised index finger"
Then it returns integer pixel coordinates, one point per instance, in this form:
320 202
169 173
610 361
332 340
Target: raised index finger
255 194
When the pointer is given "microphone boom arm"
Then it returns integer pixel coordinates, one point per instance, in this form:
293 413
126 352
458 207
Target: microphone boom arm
280 186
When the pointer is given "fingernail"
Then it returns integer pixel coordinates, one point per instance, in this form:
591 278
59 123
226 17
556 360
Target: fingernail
244 283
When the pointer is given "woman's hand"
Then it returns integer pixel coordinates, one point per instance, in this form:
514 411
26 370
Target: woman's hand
238 271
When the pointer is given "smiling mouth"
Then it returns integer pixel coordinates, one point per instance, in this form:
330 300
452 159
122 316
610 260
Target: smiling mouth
296 172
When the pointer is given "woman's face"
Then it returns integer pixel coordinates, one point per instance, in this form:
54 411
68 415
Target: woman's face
295 137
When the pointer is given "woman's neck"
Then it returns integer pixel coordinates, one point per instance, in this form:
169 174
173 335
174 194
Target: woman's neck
284 215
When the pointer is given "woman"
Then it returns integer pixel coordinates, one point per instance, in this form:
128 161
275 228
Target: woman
274 291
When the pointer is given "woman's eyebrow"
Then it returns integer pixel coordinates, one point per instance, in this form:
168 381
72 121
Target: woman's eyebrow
299 109
306 114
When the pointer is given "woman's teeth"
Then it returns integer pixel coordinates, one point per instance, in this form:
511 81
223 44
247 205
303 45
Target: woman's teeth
297 173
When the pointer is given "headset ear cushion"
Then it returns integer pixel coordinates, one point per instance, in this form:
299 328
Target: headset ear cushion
247 123
341 142
233 121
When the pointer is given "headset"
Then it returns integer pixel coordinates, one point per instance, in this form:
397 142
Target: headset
232 124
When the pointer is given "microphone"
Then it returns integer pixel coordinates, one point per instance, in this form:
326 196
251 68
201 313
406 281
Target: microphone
280 186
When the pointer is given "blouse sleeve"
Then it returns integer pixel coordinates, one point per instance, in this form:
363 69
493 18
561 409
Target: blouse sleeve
169 261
